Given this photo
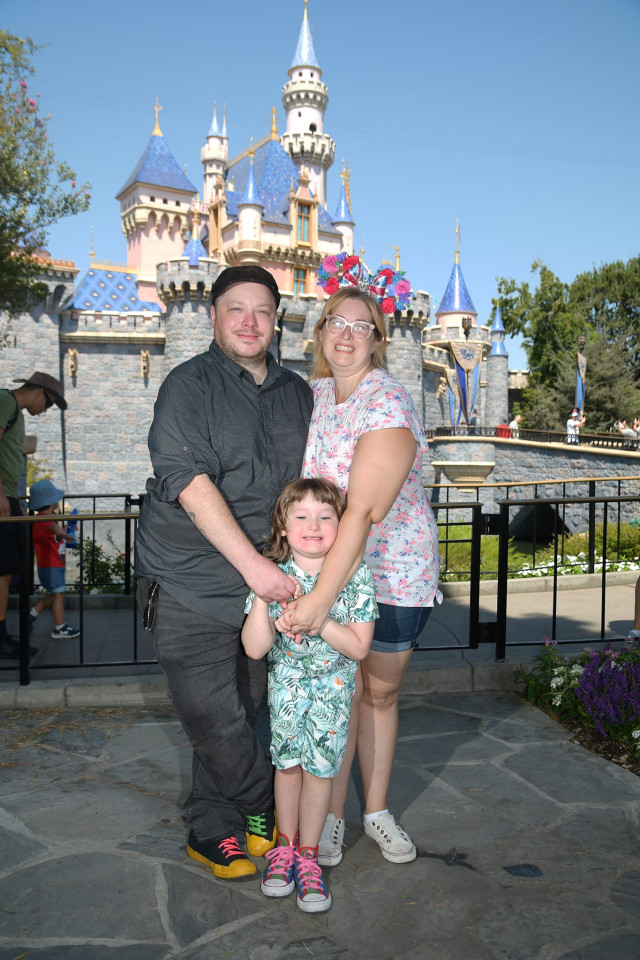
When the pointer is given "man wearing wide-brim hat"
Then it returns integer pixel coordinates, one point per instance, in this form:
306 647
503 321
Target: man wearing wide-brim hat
37 393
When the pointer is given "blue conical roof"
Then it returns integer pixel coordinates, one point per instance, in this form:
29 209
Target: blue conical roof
158 167
194 251
250 194
343 211
498 348
214 130
497 326
456 297
305 55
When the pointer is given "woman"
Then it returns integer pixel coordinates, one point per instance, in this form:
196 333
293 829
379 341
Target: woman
366 437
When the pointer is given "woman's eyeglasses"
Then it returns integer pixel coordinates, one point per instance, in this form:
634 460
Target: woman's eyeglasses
360 329
48 400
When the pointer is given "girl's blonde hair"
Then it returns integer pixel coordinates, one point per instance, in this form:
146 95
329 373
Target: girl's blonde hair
320 366
277 548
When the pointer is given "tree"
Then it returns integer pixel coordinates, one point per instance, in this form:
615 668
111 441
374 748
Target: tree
603 304
36 190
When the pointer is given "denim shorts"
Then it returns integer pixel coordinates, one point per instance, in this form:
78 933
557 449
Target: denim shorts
399 628
52 579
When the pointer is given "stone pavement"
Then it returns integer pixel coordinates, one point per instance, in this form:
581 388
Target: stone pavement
529 846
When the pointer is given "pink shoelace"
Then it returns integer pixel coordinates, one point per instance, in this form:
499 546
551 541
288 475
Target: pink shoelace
230 847
281 860
310 875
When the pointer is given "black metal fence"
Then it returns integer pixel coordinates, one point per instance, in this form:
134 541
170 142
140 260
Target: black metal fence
130 646
503 432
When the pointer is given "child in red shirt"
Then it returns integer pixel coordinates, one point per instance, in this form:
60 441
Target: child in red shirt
49 543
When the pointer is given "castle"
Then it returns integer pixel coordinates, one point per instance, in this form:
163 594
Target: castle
119 329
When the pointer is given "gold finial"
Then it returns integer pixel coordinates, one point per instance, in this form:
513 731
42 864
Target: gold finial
457 241
397 266
344 176
384 262
362 248
92 253
252 150
157 132
196 216
274 125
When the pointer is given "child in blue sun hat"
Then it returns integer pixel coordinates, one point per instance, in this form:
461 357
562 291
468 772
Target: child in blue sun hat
49 540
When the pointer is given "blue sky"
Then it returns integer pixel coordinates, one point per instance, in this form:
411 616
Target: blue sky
517 119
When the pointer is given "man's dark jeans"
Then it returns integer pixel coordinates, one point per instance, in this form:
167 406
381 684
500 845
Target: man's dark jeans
216 691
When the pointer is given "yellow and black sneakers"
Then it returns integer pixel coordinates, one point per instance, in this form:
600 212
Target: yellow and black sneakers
226 859
262 832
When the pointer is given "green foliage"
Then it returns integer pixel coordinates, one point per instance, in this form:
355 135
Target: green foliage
598 689
623 542
603 304
101 571
36 190
456 555
37 470
550 681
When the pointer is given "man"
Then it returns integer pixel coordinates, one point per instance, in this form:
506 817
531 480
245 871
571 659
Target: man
514 426
36 395
574 423
229 431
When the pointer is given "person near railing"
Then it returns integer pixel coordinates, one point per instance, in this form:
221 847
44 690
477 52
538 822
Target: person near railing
36 395
514 426
366 436
49 540
575 421
228 432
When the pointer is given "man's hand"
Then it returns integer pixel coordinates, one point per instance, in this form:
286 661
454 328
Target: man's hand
5 509
269 582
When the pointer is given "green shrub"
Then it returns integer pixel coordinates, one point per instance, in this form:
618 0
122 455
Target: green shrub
101 571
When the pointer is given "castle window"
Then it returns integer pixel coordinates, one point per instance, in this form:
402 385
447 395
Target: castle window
312 127
299 281
164 200
304 215
153 199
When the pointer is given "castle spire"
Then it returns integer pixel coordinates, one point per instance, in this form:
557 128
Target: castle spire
214 131
157 132
305 55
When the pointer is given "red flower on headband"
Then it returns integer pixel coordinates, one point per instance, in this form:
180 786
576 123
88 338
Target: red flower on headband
388 274
331 285
388 305
349 262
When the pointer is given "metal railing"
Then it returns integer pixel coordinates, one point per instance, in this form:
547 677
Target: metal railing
503 432
132 652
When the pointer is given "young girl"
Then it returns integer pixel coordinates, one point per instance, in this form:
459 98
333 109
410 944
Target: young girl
49 544
311 685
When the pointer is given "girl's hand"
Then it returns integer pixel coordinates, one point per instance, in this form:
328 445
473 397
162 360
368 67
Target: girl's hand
306 615
283 623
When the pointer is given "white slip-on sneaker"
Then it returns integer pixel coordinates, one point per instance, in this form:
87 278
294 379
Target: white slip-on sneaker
396 845
331 842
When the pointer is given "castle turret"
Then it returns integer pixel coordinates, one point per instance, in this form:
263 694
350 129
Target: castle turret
184 286
154 205
305 98
214 156
343 221
249 220
497 403
404 346
455 304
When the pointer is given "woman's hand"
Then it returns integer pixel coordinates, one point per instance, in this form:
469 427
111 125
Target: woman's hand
305 615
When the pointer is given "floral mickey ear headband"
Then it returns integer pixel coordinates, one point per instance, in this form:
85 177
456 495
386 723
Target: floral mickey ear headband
389 288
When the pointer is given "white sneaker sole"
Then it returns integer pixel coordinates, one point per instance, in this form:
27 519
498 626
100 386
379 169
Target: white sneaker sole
330 859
